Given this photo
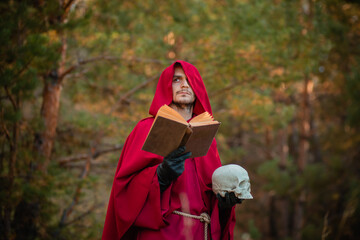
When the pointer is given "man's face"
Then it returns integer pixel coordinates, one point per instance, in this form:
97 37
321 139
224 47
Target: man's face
182 91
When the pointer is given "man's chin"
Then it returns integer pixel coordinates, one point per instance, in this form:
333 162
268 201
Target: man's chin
183 104
184 101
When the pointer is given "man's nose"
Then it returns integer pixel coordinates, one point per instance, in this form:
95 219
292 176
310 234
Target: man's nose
185 84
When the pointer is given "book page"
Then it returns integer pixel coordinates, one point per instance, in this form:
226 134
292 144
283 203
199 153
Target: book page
204 123
204 118
167 112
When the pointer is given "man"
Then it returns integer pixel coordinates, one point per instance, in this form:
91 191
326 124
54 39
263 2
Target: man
169 198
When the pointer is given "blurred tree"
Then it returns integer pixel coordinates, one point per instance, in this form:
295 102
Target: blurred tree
32 50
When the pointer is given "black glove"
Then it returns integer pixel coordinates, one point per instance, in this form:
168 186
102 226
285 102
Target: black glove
172 167
225 205
228 201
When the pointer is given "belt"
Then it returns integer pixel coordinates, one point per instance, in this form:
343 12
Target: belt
204 217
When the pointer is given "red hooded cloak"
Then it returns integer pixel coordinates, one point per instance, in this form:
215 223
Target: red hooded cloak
136 208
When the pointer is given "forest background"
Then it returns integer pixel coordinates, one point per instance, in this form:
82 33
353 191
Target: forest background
283 77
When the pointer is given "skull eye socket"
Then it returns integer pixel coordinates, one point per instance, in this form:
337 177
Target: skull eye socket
244 184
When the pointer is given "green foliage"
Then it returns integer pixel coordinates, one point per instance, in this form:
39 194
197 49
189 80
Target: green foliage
282 181
353 89
311 231
253 56
255 233
315 175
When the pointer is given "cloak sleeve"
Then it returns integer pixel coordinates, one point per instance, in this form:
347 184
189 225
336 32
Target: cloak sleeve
135 194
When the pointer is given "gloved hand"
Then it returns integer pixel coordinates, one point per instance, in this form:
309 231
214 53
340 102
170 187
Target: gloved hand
225 206
228 201
172 167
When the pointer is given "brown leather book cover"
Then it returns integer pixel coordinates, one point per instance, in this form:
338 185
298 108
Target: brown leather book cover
201 138
166 135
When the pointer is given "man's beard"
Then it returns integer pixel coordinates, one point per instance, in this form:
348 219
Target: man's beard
183 105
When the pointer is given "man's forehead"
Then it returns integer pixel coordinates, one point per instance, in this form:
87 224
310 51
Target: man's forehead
179 71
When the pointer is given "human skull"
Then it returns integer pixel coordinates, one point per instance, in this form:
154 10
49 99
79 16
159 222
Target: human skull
231 178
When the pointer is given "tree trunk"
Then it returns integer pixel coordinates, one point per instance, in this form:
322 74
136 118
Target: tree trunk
7 181
273 230
284 147
304 122
314 139
268 144
283 201
50 108
49 114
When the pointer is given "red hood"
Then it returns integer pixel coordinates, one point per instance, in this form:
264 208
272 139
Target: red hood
163 94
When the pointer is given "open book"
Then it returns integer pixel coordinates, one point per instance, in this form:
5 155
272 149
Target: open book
170 131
